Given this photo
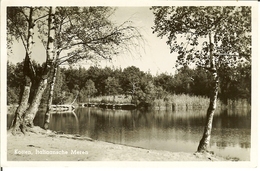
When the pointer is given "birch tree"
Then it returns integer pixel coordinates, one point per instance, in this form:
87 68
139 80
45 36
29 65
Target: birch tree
50 57
71 34
88 34
209 37
21 23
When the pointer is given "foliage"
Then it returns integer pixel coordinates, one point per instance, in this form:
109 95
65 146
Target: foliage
112 86
186 27
165 81
183 81
201 82
88 34
12 96
14 78
18 24
236 83
87 91
214 40
131 79
71 80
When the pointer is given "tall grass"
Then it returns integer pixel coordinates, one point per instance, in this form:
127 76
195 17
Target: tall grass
239 103
181 102
118 99
174 102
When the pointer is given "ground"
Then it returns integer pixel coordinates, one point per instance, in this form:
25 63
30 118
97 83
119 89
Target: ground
38 145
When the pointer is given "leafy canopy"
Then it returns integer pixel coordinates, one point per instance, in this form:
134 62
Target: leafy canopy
87 33
189 29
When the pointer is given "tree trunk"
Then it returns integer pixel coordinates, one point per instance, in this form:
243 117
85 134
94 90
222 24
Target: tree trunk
33 108
50 53
204 142
28 72
49 103
17 121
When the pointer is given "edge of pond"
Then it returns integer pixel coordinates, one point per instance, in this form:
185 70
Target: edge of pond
49 141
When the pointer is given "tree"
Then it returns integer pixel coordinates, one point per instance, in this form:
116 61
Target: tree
49 67
165 81
235 83
60 92
112 86
150 93
225 32
13 83
201 79
87 33
80 33
31 16
100 83
183 80
131 79
21 22
88 90
34 105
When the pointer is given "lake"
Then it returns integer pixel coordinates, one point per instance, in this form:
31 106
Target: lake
160 130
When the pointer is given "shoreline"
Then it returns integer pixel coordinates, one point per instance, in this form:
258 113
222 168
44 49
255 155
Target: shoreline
42 145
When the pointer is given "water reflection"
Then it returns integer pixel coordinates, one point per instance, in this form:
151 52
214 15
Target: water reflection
65 122
162 130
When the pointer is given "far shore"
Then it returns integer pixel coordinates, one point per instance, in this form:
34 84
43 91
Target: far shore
42 145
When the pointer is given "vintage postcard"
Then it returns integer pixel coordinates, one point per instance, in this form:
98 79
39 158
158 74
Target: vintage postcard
129 84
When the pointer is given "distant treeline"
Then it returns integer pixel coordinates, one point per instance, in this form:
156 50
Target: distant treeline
144 88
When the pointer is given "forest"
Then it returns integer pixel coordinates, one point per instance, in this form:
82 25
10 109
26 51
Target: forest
144 87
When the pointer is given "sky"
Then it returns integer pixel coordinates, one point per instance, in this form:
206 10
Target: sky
155 57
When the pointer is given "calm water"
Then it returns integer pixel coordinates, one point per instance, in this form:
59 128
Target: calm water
160 130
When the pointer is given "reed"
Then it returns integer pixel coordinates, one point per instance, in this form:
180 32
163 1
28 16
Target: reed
176 102
118 99
182 102
239 104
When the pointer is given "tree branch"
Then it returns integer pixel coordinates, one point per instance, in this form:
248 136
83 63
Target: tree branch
20 35
41 17
22 12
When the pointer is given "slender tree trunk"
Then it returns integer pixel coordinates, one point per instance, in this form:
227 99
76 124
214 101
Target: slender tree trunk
50 53
28 72
205 141
49 103
75 98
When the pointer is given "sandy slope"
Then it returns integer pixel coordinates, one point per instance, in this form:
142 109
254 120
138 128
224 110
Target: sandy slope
37 146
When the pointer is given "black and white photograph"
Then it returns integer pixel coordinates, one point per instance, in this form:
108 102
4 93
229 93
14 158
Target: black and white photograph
159 82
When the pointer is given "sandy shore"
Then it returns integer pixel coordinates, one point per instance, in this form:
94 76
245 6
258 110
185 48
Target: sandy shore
41 145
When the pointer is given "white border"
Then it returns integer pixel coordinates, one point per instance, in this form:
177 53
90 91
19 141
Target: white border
254 142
